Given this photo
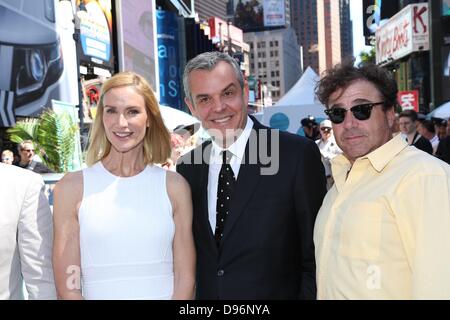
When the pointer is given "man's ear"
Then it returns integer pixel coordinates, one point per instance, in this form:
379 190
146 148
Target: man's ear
390 115
190 106
246 92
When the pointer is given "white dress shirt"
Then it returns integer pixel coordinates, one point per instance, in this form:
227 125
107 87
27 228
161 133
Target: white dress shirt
237 150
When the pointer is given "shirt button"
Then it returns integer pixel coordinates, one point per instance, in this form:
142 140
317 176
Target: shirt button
220 273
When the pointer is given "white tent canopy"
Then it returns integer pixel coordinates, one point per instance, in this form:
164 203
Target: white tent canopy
173 117
443 111
302 92
298 103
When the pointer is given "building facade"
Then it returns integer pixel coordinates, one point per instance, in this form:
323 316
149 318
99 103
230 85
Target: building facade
304 22
206 9
334 32
274 59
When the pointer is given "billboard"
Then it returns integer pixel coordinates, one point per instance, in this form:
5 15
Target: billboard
96 33
446 7
34 38
375 13
138 32
404 33
255 15
168 59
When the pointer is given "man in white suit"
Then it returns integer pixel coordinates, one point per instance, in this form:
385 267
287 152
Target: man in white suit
26 236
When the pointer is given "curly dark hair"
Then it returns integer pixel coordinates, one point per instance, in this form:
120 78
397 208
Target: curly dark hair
342 75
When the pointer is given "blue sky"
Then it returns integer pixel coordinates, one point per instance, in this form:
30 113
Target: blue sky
358 37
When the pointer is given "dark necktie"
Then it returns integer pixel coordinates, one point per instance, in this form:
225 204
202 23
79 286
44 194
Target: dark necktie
225 189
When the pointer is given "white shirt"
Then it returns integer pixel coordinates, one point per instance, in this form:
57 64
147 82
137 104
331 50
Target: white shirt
328 150
237 150
434 143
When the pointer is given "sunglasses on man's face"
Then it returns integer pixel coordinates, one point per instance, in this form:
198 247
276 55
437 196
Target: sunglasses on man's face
360 112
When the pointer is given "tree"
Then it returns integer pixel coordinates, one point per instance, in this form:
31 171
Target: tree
53 135
368 57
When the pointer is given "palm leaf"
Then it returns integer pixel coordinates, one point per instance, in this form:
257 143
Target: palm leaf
54 137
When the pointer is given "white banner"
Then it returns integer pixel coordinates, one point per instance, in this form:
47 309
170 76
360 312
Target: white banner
404 33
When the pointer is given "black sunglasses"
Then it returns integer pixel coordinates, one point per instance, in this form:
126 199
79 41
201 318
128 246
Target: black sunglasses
360 112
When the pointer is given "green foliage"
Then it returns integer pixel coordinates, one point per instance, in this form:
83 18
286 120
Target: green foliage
54 136
368 57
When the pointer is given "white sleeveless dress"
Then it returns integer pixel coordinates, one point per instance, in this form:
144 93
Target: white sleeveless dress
126 235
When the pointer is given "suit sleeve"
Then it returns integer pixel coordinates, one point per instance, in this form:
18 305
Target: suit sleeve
35 239
310 189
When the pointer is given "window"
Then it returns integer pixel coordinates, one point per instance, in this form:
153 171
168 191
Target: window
276 43
259 64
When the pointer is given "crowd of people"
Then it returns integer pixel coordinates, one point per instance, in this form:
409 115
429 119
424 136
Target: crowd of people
354 210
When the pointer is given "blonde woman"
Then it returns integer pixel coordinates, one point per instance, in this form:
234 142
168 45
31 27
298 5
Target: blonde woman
123 226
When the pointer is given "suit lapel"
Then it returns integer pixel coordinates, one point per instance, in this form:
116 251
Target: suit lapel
203 183
248 178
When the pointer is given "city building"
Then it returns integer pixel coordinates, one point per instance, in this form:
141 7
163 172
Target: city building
334 32
206 9
274 59
304 22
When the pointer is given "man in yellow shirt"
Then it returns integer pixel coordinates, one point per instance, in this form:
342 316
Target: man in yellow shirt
383 231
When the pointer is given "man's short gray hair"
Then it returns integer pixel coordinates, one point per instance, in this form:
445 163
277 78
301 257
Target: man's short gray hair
208 61
21 145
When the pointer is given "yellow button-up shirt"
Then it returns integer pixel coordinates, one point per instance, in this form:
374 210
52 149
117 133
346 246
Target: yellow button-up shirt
383 231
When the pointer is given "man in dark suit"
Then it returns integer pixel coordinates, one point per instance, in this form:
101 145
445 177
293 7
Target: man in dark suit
260 245
408 127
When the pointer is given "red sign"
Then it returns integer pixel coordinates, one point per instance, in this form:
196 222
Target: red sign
408 100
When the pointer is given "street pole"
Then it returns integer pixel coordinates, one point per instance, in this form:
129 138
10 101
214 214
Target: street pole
76 38
220 36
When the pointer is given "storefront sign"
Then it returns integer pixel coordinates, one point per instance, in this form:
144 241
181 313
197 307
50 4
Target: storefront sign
408 100
404 33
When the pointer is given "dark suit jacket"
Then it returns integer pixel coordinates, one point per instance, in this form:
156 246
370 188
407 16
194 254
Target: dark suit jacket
443 150
267 250
423 144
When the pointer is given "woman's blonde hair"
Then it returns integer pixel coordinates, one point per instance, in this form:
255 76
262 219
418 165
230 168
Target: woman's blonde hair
157 137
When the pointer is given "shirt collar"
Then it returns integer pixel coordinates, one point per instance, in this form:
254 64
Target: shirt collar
237 148
379 158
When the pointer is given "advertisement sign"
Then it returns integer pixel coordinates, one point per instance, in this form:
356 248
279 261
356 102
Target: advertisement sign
404 33
408 100
256 15
138 28
274 13
168 59
34 38
446 7
96 32
375 14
